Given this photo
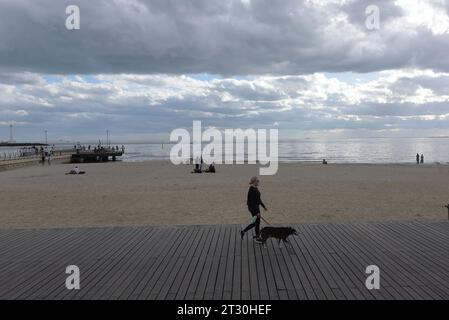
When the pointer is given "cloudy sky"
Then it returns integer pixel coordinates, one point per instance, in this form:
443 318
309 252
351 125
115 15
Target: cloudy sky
142 68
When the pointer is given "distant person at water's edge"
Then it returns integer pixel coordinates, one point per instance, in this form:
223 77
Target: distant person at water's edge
42 156
417 158
422 158
254 202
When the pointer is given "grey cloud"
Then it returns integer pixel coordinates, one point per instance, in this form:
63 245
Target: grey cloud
208 36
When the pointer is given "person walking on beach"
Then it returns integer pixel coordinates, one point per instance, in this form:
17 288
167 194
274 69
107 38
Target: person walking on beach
49 158
422 158
254 202
417 158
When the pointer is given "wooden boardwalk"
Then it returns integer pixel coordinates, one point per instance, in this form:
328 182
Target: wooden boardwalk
325 261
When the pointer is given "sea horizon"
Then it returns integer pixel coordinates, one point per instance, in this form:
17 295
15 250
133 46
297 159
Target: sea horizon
372 150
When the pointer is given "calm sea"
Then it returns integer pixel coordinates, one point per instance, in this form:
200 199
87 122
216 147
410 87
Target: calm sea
366 150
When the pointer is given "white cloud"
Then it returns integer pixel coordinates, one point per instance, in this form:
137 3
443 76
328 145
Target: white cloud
151 65
141 103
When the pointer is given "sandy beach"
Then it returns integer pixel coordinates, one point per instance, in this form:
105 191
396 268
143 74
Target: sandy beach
159 193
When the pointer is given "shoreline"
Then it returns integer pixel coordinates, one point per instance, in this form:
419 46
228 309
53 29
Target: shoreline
7 165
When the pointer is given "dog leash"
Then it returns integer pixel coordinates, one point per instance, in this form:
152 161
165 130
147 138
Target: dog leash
265 220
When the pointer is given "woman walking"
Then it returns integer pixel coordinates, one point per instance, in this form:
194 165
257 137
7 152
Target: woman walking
253 202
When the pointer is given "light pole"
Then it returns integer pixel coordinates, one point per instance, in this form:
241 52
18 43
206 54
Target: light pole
46 140
11 137
107 138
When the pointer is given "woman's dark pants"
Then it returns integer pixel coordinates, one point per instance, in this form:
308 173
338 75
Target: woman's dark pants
255 224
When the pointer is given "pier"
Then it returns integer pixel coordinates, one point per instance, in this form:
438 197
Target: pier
17 160
22 144
81 156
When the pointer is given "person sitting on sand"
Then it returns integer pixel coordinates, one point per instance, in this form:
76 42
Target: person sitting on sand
324 161
211 168
76 170
197 168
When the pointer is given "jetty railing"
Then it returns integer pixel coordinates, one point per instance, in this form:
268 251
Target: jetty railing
21 155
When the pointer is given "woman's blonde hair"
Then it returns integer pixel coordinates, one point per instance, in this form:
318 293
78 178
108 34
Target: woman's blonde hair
253 180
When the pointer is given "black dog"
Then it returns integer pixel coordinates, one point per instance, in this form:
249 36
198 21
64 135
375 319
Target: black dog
280 233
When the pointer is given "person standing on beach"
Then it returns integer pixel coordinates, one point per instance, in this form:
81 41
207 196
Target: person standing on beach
417 158
43 156
254 202
422 158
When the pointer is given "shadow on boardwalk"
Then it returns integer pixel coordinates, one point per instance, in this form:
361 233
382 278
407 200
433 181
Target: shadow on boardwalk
326 261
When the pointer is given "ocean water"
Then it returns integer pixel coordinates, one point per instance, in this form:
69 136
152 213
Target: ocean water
366 150
374 150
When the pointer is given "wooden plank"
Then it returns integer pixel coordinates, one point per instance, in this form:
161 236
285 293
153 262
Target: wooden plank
199 253
36 248
203 277
56 275
176 275
129 279
353 280
121 272
252 271
269 275
292 272
84 256
331 267
24 275
237 274
212 279
107 262
351 261
290 289
163 272
144 271
384 260
200 266
311 285
246 289
277 274
222 266
314 262
260 271
371 255
326 261
229 275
